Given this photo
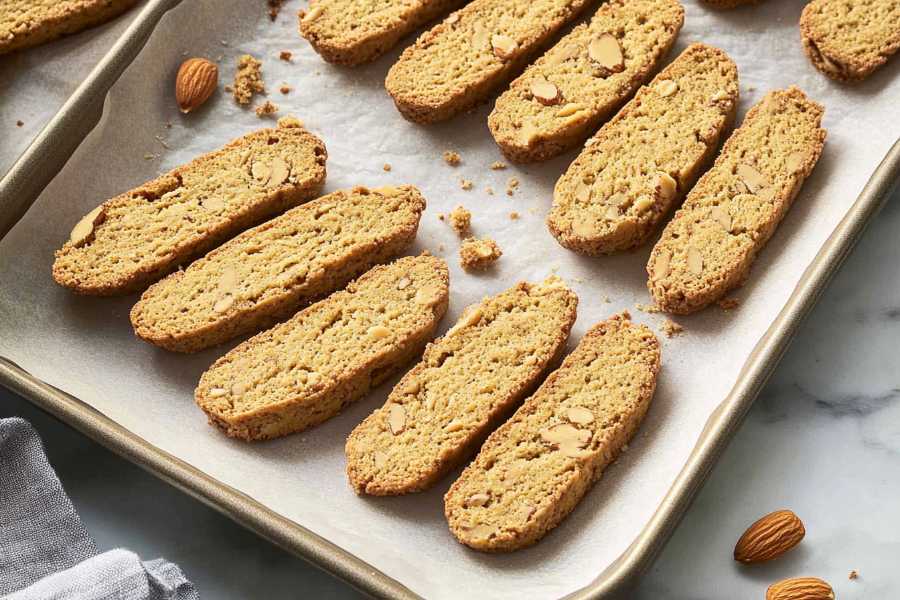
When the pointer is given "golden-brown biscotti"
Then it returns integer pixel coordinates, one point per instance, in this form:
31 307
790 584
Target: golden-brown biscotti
305 370
269 272
461 61
350 32
537 466
639 166
579 83
848 39
138 237
467 383
27 23
709 246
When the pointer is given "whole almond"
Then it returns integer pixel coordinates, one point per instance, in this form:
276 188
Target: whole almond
769 537
800 588
196 81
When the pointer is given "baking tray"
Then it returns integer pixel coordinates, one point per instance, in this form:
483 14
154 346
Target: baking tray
55 144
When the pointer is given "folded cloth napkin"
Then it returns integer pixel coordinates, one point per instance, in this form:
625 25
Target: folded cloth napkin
45 551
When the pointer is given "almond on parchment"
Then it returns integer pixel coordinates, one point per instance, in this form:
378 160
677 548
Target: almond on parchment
800 588
195 82
769 537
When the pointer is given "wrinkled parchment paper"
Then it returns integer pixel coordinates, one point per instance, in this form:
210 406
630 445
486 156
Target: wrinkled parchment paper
85 345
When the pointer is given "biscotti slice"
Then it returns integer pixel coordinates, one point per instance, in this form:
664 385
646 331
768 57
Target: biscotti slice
579 83
138 237
537 466
637 168
267 273
305 370
26 23
461 61
848 39
467 383
349 32
708 247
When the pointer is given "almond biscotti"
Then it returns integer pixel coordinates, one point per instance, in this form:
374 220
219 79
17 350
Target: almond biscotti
708 247
461 61
579 83
305 370
349 32
537 466
138 237
466 384
26 23
848 39
267 273
638 167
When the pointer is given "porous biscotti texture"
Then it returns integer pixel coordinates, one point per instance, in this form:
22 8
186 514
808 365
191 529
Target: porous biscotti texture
537 466
305 370
26 23
848 39
708 247
138 237
461 61
467 383
563 97
350 32
637 168
266 274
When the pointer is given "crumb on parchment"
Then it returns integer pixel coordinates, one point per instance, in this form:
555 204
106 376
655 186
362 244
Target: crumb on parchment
247 79
498 165
288 121
461 220
452 158
648 308
466 184
853 575
727 304
511 186
476 255
387 167
671 328
286 56
514 216
266 109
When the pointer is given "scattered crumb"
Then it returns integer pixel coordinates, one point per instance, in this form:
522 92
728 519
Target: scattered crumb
853 575
671 328
19 123
475 254
498 165
466 184
489 190
274 8
606 299
648 308
266 109
248 79
452 158
441 247
285 89
288 121
168 125
514 215
286 56
511 186
461 220
441 216
728 303
626 314
387 166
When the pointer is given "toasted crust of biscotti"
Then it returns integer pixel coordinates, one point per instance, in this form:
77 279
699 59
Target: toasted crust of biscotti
305 370
349 32
467 383
848 39
709 246
27 23
637 168
462 60
269 272
531 125
142 235
537 466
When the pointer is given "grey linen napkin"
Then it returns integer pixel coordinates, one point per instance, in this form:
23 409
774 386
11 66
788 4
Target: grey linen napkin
45 551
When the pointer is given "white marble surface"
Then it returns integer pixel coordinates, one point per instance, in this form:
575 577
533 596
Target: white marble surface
823 439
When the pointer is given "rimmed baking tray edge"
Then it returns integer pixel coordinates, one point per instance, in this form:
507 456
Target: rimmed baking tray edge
59 139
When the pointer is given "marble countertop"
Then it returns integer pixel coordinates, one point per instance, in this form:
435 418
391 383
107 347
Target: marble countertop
823 439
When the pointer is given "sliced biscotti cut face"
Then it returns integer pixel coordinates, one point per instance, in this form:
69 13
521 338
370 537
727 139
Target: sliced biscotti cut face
305 370
579 83
537 466
467 383
26 23
708 247
349 32
848 40
461 61
138 237
267 273
638 167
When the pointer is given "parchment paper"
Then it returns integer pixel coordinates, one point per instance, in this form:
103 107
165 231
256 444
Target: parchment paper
85 345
